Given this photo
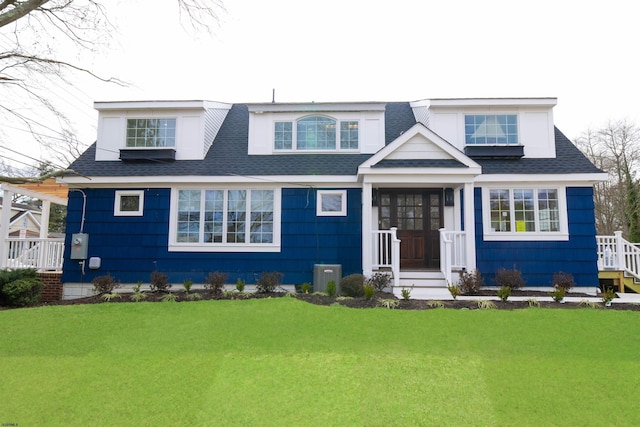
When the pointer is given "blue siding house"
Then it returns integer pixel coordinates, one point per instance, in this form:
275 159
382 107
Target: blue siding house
420 190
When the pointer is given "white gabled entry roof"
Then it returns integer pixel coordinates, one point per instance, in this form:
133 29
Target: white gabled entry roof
420 143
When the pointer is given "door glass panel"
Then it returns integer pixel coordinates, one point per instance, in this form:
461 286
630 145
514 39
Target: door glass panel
434 203
409 211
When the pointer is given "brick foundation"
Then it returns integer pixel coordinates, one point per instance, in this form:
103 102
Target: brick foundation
52 286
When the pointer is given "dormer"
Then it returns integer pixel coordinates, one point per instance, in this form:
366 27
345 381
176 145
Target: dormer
139 131
303 128
492 127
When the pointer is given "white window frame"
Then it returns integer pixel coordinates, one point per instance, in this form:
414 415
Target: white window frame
175 246
151 147
294 135
492 113
117 211
343 204
513 235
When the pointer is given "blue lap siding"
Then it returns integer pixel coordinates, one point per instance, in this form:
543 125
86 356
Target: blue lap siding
539 260
132 247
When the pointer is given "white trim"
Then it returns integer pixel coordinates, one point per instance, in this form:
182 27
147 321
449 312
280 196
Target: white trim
275 246
582 178
159 105
343 203
117 199
311 107
492 236
438 141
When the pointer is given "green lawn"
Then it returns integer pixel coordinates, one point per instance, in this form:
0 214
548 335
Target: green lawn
283 362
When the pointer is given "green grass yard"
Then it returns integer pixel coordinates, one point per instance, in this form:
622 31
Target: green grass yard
283 362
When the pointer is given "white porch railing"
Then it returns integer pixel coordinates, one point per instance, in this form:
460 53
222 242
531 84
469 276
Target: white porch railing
40 254
616 253
386 252
452 252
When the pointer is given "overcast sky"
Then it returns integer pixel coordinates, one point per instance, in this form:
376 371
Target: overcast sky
583 53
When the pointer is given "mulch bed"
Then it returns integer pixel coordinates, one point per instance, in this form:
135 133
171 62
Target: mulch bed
379 299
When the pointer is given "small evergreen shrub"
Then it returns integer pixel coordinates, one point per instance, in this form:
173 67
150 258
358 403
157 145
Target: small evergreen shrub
379 281
22 292
331 288
159 282
509 278
352 285
104 284
563 280
369 291
454 290
214 282
608 295
305 287
557 294
470 282
406 293
187 284
240 285
504 293
268 282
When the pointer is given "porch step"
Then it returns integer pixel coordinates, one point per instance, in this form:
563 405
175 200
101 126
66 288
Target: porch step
422 279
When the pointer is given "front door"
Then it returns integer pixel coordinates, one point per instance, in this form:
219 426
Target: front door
418 216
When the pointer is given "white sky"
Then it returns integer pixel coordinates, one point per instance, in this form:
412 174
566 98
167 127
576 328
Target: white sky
585 53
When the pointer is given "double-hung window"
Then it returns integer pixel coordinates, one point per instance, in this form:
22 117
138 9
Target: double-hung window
491 129
525 213
215 219
151 133
317 133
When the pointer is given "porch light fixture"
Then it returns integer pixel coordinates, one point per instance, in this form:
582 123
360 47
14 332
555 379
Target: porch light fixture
448 197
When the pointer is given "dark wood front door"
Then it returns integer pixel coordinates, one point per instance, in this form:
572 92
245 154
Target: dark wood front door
418 216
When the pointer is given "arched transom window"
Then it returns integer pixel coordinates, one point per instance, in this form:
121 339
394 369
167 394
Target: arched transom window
316 133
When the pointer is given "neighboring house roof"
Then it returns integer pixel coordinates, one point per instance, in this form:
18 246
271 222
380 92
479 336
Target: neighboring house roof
228 156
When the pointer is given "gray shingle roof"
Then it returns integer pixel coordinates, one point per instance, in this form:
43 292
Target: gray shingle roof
419 163
569 159
228 156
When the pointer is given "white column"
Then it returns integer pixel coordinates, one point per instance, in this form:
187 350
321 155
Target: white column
470 226
44 219
367 197
5 221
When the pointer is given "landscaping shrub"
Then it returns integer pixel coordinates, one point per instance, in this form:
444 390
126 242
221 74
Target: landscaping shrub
510 278
504 293
214 282
104 284
268 282
8 276
22 292
159 282
305 287
352 285
369 291
470 282
379 281
454 290
331 288
240 285
563 280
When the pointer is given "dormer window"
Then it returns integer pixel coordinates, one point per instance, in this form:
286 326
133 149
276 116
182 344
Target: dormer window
151 133
316 133
491 129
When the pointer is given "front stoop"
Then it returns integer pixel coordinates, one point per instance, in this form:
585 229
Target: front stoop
424 285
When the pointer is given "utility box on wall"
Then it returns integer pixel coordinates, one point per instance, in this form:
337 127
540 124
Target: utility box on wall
323 274
79 246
